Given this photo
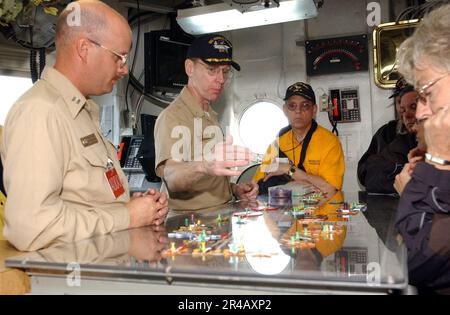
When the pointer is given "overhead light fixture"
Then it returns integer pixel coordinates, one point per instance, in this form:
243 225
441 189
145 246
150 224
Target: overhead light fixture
223 17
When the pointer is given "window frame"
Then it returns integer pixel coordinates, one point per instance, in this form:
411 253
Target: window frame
252 103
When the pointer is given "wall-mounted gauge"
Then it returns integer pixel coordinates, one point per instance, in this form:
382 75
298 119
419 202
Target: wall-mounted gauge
337 55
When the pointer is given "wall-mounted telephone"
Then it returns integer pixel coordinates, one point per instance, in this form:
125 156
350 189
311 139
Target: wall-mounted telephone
129 161
129 152
345 105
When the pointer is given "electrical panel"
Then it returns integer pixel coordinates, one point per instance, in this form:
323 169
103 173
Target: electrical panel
345 105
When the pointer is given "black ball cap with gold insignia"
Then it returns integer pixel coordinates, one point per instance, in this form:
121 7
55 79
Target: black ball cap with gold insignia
301 89
213 50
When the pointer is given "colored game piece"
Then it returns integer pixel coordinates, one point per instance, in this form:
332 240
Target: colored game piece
203 247
181 249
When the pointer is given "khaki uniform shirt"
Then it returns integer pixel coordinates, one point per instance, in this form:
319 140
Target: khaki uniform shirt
2 215
2 196
54 159
210 190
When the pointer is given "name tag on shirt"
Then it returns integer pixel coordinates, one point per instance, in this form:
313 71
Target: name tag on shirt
314 162
114 181
89 140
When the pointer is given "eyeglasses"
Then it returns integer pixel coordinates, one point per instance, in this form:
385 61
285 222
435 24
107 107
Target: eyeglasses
122 58
422 91
303 107
214 71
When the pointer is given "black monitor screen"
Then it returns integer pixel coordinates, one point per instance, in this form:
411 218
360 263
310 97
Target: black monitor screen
165 55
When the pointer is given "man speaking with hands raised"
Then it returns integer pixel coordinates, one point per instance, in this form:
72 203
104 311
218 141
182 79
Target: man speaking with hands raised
192 157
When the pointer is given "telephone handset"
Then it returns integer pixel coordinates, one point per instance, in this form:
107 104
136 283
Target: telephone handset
335 105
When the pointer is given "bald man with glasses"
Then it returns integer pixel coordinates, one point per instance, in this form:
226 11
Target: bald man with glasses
62 176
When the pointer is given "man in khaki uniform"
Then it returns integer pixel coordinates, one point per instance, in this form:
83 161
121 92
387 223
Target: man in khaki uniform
63 178
192 157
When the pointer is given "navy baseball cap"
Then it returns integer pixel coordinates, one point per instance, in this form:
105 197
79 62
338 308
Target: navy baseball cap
301 89
213 50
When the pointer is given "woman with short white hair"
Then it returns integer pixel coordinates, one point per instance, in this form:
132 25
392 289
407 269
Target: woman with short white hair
423 215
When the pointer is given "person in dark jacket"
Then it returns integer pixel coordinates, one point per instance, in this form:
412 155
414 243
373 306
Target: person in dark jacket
382 168
385 135
426 196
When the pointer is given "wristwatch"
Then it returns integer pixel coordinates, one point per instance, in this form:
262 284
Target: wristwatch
291 170
436 159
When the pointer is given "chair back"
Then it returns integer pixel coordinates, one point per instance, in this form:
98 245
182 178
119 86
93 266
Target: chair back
247 175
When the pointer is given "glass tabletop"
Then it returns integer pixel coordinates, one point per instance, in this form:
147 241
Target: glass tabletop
348 240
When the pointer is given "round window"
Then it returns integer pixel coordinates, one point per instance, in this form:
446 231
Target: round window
260 124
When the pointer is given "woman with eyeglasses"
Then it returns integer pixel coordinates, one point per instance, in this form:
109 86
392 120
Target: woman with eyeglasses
424 208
